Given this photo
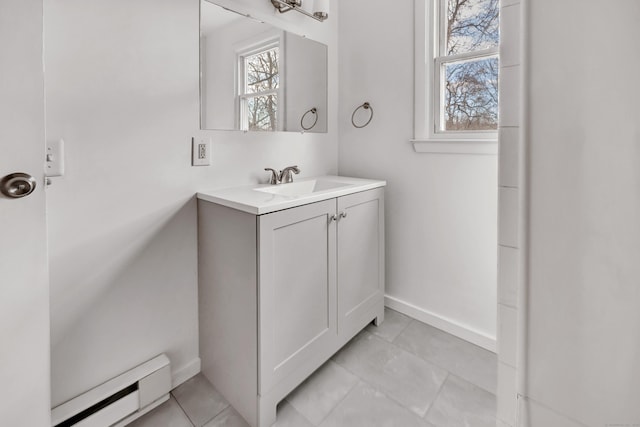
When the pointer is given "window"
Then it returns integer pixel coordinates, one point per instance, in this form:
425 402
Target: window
457 48
259 85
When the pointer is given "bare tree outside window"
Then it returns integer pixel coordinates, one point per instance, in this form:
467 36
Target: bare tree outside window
262 80
469 65
471 25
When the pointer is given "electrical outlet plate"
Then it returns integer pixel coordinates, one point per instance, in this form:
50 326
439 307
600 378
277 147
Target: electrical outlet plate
201 152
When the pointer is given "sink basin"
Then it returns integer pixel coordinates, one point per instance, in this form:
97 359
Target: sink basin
264 199
302 188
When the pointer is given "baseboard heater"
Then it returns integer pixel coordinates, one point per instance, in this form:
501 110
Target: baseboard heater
120 400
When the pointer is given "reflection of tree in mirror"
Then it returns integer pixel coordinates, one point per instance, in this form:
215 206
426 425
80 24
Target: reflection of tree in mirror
262 112
471 95
472 25
471 91
262 79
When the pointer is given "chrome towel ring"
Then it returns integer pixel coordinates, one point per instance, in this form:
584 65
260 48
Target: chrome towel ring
365 106
313 111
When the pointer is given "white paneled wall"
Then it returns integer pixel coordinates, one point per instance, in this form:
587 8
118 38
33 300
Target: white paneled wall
510 209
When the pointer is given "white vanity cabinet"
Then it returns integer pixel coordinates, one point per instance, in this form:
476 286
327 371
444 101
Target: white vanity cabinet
281 292
360 258
297 286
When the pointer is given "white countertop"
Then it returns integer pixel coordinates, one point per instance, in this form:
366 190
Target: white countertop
250 199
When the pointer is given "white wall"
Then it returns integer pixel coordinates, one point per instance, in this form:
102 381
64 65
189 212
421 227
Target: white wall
583 338
441 208
122 90
305 82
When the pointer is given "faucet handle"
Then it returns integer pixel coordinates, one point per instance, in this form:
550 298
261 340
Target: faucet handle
285 174
275 176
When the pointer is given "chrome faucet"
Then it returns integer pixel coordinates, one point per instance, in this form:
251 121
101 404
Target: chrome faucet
284 176
275 176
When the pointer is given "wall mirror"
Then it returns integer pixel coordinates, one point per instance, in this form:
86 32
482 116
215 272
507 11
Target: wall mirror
256 77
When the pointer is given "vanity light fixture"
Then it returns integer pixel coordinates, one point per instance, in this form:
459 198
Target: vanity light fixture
320 8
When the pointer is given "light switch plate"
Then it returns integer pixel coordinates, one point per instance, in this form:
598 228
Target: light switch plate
55 158
201 152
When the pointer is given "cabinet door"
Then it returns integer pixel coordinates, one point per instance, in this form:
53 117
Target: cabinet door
297 290
360 259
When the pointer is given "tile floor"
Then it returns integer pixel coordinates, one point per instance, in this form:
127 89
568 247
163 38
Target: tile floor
403 373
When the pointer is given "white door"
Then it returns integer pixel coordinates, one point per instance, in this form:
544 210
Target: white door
24 295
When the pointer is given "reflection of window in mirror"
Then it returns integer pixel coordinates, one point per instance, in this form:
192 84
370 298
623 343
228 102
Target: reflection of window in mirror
257 77
259 81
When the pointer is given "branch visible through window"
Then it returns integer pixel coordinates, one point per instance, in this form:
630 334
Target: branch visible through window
466 66
259 96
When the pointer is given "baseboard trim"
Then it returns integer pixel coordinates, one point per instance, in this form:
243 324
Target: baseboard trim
437 321
188 371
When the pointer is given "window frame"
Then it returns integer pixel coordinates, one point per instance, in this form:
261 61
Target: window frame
242 96
429 88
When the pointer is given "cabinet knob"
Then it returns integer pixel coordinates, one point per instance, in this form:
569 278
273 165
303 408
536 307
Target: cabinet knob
343 214
333 218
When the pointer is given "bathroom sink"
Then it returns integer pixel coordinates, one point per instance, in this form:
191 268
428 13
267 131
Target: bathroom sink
266 198
302 188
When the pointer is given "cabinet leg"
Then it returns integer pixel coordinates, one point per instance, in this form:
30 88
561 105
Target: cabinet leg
267 416
379 318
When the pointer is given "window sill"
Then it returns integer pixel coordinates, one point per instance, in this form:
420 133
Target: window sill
456 146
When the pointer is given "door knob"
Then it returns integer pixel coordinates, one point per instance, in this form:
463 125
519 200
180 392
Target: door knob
17 185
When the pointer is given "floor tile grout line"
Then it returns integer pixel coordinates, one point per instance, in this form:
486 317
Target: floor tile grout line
295 409
182 409
436 363
409 350
189 418
340 401
360 379
448 374
393 400
452 375
424 417
409 320
403 329
216 415
377 388
470 382
439 388
402 405
447 370
343 397
220 413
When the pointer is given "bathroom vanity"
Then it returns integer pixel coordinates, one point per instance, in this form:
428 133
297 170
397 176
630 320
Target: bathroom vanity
287 275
